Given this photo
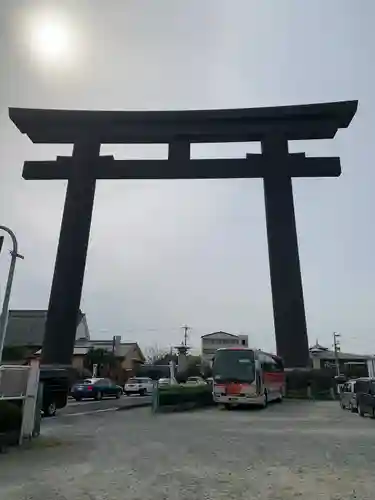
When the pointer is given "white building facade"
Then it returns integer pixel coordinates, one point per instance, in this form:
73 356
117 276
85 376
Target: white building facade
211 342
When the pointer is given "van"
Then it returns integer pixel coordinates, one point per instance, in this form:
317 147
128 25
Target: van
348 396
365 390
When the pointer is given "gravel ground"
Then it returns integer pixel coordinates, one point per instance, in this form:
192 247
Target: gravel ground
294 450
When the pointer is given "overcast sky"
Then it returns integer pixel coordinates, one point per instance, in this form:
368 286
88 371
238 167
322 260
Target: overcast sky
167 253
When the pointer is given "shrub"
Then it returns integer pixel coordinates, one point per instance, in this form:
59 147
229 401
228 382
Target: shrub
10 417
184 395
319 382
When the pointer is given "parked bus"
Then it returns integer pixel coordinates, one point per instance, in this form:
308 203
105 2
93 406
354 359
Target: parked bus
243 376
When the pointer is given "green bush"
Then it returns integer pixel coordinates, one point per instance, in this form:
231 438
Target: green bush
310 383
10 417
185 395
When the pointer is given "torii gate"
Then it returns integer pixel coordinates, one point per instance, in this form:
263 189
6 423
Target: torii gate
273 127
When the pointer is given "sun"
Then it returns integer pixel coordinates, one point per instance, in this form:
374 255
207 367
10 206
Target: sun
51 39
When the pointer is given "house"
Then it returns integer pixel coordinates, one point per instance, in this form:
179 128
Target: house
361 365
128 354
211 342
25 330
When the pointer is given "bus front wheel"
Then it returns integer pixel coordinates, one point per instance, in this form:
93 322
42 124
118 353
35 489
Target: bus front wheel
264 402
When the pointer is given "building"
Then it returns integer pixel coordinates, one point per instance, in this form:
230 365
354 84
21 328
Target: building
211 342
128 354
350 364
25 332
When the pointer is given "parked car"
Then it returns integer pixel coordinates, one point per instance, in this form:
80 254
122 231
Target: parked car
163 382
95 388
55 382
348 395
195 381
139 385
365 389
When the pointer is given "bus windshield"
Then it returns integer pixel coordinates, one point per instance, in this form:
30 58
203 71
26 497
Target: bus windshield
235 365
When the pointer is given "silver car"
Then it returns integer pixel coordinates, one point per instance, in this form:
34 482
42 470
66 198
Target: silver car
348 396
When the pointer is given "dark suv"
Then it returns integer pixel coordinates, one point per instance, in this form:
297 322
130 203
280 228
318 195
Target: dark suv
365 390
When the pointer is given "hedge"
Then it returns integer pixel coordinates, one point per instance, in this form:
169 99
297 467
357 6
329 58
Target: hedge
312 383
180 397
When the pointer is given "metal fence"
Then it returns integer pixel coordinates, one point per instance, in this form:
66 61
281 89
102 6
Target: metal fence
13 381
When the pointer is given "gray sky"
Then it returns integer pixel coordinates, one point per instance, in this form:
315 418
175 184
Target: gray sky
167 253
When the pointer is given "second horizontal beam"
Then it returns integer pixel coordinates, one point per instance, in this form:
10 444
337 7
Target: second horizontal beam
254 167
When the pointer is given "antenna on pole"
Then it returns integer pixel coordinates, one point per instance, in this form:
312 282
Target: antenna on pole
186 329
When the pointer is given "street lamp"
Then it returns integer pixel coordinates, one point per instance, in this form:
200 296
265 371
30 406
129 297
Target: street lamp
5 309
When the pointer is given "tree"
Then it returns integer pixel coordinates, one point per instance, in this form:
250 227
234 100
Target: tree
105 360
158 356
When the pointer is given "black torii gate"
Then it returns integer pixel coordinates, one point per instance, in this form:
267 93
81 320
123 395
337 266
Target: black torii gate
273 127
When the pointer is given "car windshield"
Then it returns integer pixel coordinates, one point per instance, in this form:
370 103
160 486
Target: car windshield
234 366
135 380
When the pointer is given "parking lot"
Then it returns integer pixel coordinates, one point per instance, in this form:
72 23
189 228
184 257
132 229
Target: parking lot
309 450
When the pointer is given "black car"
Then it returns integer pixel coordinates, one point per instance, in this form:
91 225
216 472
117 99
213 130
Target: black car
365 390
95 388
55 382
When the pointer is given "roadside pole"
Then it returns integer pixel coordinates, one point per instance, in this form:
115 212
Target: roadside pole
5 309
336 347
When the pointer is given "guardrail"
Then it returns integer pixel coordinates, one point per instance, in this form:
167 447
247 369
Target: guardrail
21 383
13 381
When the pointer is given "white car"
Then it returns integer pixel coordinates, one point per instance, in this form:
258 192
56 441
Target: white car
163 382
196 381
139 385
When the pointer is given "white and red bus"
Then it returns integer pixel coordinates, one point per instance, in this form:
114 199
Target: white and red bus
244 376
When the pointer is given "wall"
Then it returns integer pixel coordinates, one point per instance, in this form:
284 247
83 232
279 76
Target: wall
211 343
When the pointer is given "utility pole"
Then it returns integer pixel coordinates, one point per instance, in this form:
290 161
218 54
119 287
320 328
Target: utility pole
186 329
336 346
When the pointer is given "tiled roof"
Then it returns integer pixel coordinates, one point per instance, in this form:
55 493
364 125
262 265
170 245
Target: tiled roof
26 327
327 354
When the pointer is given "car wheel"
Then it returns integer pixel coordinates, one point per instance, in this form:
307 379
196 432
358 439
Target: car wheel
228 406
78 398
142 392
343 406
118 395
361 413
98 396
352 408
50 409
372 415
127 393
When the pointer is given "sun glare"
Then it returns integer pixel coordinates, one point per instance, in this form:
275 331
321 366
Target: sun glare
51 39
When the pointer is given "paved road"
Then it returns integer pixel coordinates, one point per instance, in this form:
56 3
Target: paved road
87 407
312 451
